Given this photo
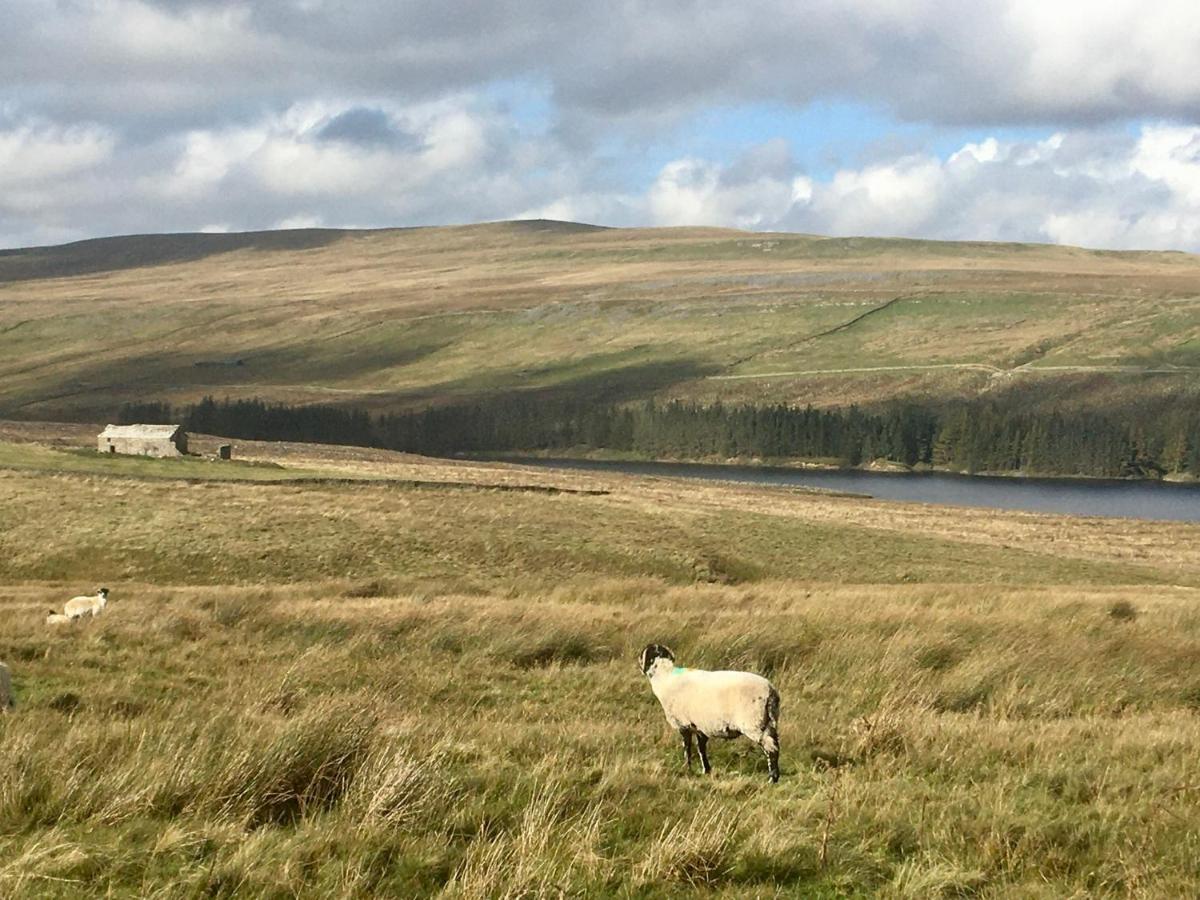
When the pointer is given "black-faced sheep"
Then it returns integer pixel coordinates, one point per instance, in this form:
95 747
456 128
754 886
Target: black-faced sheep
704 704
91 605
57 618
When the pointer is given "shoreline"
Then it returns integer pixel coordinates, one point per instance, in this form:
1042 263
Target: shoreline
877 467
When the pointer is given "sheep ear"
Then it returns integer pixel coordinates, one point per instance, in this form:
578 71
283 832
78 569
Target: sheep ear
645 659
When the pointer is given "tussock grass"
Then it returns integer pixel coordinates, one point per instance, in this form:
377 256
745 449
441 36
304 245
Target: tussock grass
939 741
458 711
695 851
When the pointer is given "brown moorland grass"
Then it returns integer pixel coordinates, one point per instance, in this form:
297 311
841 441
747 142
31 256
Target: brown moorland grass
371 689
1169 551
938 740
401 318
225 532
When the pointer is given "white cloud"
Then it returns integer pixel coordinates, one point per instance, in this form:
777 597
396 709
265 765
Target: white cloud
454 160
35 152
985 151
206 159
299 221
692 191
1123 191
466 158
897 197
1170 154
169 114
1106 57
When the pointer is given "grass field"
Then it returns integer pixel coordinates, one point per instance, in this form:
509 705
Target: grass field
419 677
402 318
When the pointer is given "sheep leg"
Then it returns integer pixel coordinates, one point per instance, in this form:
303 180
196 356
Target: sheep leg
770 745
769 740
686 734
702 746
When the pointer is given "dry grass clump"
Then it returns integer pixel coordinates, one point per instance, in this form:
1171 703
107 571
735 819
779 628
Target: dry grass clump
695 851
553 647
935 879
372 587
395 788
540 855
308 765
1122 611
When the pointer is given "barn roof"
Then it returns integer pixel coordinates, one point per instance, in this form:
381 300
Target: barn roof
141 431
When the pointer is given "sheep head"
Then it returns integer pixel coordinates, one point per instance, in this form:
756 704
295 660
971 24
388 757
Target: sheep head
652 654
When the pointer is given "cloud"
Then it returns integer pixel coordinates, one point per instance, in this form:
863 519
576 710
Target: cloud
32 153
1011 62
150 115
468 159
751 193
457 159
1119 191
365 127
47 172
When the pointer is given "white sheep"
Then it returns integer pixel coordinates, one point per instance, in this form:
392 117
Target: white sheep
57 618
714 704
6 692
91 605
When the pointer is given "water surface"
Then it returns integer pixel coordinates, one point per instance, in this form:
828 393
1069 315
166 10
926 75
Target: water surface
1081 497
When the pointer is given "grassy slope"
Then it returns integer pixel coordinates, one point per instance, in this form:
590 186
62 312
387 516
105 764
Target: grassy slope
400 318
34 458
361 689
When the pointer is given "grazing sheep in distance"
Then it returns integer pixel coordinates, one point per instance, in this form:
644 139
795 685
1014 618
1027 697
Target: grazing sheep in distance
87 606
57 618
714 704
6 692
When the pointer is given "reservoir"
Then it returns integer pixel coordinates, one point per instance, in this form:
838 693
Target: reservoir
1080 497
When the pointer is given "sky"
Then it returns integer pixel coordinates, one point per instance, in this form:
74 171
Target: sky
1028 120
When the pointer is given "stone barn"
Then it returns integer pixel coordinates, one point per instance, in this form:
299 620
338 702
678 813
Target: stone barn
143 440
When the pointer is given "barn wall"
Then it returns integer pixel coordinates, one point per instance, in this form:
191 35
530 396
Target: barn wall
140 446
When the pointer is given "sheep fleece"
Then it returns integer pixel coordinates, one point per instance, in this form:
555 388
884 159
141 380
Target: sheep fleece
718 704
81 606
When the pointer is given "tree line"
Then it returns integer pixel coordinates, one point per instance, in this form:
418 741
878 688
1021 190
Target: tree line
969 437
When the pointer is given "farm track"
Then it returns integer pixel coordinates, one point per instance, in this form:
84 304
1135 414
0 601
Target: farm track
980 367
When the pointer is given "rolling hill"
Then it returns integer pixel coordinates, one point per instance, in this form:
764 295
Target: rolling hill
401 318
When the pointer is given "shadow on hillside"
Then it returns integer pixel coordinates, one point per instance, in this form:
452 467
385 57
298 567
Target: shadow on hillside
1123 396
555 226
311 361
110 254
607 381
96 392
72 396
133 251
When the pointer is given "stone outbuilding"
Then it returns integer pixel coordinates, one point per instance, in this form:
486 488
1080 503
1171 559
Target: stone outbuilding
143 440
